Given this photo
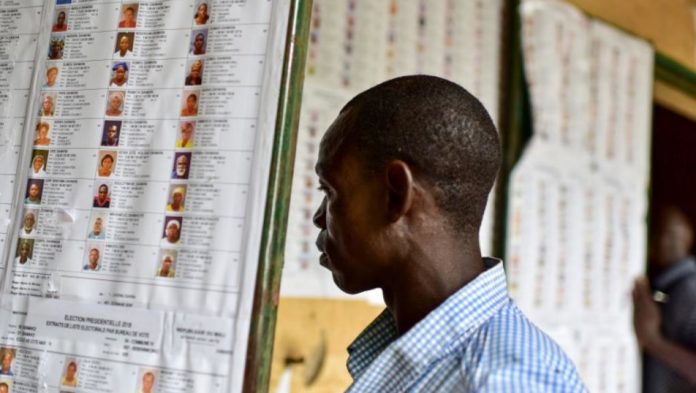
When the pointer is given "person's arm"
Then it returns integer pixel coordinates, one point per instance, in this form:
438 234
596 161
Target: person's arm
647 321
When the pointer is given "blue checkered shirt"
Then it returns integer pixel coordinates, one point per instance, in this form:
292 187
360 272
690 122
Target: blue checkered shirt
476 341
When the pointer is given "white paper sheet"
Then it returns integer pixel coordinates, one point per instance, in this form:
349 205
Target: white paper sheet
154 145
590 88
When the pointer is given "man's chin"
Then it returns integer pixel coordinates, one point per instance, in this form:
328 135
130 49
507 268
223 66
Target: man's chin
346 286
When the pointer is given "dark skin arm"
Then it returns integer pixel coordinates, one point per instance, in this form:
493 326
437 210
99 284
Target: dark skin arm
647 321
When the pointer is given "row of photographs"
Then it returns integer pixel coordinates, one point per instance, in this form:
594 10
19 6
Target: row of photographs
128 16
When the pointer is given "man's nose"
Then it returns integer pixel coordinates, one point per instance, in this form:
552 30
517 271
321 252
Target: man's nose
319 218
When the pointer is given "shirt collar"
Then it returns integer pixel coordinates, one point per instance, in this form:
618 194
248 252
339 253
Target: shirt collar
674 273
435 335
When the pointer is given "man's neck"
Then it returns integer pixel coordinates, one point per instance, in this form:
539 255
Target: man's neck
431 276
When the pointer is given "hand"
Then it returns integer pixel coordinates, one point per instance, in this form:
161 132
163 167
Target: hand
646 315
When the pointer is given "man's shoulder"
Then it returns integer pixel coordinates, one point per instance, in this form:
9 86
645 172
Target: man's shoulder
512 351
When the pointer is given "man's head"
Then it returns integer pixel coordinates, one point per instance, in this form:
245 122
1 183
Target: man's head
60 19
181 166
202 10
34 191
6 361
4 387
191 102
123 44
196 69
71 371
672 238
29 220
47 103
51 76
24 249
129 14
107 162
186 132
38 162
120 70
412 156
199 42
148 381
56 48
103 192
93 257
173 231
97 226
112 134
178 197
42 129
167 262
116 100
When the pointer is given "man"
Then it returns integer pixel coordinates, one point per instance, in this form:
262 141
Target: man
37 166
181 166
92 260
4 387
111 135
47 107
128 21
42 129
172 232
55 49
406 169
123 51
97 229
194 77
34 193
667 332
24 252
102 199
186 138
115 103
60 24
70 377
198 47
120 74
148 383
29 222
166 269
6 368
51 77
176 202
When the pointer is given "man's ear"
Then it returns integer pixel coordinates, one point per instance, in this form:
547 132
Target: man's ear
400 191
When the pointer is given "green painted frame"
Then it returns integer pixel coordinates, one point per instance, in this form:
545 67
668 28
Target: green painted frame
257 370
675 74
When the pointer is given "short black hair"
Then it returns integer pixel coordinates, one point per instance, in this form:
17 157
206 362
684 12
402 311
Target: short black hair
437 127
107 157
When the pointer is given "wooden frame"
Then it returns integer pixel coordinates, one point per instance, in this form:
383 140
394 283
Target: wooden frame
266 295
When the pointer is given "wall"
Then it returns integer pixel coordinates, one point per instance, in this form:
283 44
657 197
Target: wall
301 325
667 24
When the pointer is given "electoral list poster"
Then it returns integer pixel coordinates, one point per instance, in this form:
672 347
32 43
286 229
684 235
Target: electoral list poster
135 140
577 210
